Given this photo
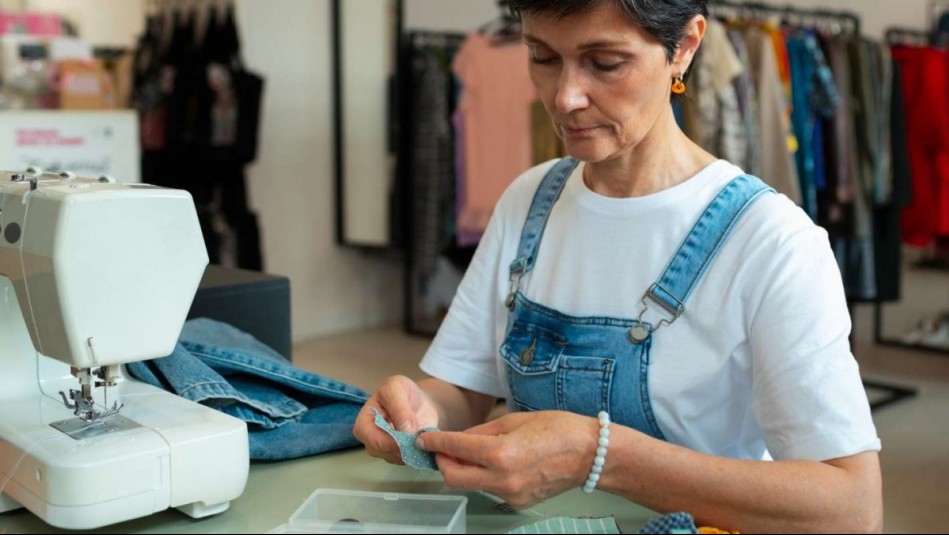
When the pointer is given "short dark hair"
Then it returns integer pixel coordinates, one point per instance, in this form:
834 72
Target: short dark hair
664 20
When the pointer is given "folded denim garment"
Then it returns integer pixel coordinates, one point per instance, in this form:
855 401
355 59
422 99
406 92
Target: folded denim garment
289 412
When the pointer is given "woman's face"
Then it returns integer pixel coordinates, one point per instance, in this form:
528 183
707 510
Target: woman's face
604 81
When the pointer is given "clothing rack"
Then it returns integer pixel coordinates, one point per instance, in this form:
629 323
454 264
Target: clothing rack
898 36
836 22
841 20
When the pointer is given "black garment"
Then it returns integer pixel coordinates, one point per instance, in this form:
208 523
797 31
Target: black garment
888 240
200 115
432 159
221 197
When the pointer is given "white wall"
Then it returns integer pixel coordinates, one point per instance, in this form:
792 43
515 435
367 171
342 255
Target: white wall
292 183
453 15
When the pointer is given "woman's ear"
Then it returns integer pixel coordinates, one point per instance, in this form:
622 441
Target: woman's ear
689 45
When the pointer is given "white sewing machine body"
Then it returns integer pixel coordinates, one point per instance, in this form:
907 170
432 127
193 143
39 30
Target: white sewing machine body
92 275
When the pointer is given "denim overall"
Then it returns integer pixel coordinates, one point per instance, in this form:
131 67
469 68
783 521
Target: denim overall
589 364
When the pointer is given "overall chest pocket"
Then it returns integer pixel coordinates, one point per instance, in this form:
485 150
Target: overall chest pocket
541 376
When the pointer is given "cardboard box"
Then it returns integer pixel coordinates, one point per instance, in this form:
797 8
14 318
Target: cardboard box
85 85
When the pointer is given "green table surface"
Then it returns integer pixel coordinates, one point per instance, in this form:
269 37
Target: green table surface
275 490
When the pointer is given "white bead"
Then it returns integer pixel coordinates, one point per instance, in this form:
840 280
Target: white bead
603 441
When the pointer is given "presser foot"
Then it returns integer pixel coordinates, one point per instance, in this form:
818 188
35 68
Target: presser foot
84 407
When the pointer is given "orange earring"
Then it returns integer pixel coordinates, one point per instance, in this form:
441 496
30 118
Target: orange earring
678 86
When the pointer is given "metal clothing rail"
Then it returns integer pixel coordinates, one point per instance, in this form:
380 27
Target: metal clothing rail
907 37
791 14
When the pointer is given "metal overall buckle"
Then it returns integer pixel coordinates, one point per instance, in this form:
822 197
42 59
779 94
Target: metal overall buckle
512 292
641 330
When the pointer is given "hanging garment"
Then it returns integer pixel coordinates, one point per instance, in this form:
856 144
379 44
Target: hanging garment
747 104
778 168
496 106
431 158
151 87
841 137
713 114
188 67
782 57
814 98
289 412
925 86
887 244
464 237
883 98
867 119
539 344
854 240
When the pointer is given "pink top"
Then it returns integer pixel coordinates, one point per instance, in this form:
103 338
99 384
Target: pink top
496 98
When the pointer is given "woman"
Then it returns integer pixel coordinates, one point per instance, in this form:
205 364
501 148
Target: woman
737 353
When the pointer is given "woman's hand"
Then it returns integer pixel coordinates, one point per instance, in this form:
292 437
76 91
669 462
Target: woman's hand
522 458
404 405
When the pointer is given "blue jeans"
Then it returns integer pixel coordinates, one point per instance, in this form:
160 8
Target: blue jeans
289 412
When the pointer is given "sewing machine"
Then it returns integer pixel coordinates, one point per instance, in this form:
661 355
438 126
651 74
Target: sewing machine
94 274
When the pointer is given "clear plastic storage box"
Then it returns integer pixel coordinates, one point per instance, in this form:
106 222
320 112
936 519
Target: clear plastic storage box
345 511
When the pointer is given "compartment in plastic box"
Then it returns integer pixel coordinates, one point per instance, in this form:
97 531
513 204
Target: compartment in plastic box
344 511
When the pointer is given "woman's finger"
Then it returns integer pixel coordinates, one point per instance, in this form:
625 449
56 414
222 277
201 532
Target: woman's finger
396 396
468 448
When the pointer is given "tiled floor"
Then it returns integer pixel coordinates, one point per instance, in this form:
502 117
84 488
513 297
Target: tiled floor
915 432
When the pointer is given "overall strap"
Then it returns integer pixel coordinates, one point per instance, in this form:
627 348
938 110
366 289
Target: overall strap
547 194
703 243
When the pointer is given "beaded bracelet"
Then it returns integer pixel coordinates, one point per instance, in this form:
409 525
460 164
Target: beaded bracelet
600 459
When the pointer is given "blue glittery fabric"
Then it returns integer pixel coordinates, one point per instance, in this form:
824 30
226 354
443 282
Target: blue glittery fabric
411 454
674 523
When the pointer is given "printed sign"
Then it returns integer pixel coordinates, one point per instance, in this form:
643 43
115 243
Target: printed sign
88 144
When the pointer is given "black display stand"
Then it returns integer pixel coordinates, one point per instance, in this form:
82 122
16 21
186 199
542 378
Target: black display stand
256 303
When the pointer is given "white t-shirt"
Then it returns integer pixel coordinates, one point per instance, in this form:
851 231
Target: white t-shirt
759 365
